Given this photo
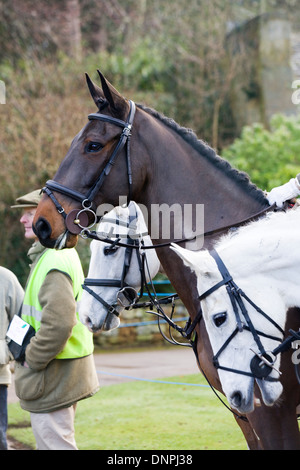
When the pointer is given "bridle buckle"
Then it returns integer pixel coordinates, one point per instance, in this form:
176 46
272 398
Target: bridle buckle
126 295
268 361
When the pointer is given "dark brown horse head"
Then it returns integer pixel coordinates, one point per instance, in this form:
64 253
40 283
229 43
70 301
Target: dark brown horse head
88 157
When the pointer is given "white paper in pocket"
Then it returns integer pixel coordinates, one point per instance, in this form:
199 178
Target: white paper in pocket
17 330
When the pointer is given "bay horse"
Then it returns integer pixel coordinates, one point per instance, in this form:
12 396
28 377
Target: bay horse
132 150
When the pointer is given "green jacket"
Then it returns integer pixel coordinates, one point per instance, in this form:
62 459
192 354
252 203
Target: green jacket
50 383
66 261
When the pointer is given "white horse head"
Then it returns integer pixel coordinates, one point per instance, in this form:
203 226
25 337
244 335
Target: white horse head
260 260
107 262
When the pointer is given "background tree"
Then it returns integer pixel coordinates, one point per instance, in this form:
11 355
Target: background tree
168 55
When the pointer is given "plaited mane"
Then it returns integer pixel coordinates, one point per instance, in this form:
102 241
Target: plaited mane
209 153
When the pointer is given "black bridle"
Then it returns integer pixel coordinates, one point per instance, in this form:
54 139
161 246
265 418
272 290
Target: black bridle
263 362
124 288
76 220
129 292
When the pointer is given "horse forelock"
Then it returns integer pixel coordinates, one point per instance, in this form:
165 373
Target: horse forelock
202 147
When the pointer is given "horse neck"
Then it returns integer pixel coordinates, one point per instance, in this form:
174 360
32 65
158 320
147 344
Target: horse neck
179 174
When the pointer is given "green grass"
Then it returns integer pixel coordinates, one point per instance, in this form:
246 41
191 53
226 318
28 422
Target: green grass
147 416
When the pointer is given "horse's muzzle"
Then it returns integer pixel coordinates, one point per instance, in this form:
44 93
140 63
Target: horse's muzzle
43 231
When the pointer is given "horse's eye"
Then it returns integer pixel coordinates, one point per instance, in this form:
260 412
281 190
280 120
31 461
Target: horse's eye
110 250
93 147
220 318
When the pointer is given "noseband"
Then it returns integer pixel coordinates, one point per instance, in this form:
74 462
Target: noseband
76 220
263 362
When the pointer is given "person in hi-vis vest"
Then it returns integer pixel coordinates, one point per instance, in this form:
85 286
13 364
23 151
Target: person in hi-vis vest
59 368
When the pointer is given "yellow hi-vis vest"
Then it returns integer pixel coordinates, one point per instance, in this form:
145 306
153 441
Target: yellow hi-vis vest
80 343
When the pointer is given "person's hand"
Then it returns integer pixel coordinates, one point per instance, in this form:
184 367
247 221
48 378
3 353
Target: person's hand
283 193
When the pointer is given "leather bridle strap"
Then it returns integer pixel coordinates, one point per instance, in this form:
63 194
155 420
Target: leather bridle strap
52 185
109 308
58 206
125 136
87 199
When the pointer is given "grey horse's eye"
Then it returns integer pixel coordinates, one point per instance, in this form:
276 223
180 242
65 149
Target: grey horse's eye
220 318
110 250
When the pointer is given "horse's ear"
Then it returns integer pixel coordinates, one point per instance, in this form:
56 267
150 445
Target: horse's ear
187 256
199 262
95 92
114 98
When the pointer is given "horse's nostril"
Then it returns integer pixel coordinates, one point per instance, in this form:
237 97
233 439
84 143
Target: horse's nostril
236 399
91 326
42 229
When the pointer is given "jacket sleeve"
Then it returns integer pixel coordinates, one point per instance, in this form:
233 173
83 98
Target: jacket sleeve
11 299
58 319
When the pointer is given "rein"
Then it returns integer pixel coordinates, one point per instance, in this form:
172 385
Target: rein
86 233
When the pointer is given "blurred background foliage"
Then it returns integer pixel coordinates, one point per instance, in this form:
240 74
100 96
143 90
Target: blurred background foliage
270 156
168 55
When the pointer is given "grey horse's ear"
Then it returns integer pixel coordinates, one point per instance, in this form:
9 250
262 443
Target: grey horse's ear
200 262
95 91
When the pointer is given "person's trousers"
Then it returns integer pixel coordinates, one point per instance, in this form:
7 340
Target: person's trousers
55 430
3 416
